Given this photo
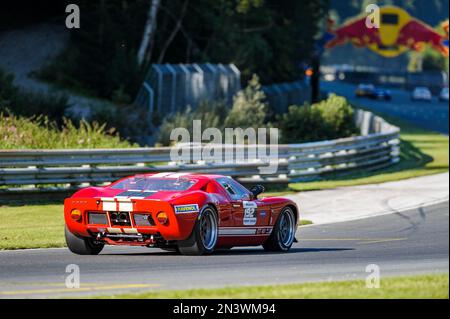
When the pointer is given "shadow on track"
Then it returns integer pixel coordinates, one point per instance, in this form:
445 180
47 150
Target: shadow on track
232 252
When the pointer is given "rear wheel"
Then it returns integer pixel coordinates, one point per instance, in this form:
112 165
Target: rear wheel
203 239
283 234
82 246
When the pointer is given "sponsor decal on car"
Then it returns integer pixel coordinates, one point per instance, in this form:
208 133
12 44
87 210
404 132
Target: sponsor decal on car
250 218
183 209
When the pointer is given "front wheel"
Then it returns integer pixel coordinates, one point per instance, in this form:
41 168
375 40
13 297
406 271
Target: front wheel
283 234
82 246
203 239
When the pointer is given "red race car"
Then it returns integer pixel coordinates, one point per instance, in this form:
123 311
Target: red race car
192 213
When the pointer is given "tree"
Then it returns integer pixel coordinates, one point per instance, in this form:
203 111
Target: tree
428 59
146 46
109 55
249 107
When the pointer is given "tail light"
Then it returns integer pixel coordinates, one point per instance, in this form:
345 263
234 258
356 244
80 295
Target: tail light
162 218
75 214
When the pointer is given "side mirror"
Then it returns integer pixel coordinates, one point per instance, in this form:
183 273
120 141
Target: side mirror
256 190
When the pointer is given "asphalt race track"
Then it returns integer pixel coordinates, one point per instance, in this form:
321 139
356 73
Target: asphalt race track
403 243
428 115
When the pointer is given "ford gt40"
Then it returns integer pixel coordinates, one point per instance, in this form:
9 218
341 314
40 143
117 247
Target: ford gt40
194 214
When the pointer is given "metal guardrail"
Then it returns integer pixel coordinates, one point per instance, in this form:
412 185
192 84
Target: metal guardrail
170 88
49 169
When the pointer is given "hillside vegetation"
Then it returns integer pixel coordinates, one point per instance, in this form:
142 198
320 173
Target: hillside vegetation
41 133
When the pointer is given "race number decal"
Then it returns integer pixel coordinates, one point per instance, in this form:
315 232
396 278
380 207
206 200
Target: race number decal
249 213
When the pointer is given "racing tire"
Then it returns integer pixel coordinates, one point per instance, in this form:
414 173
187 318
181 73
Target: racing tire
82 246
283 234
204 236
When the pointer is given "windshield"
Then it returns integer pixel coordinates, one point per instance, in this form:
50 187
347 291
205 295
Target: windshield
148 183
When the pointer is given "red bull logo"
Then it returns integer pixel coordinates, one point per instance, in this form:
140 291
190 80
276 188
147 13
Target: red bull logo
397 33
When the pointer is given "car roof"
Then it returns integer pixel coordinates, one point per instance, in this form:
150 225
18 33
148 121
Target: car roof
170 175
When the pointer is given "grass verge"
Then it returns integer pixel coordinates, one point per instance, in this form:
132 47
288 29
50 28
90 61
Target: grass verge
422 153
411 287
31 226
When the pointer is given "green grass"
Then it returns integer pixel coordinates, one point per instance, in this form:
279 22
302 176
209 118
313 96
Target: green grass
422 153
304 222
411 287
17 132
31 226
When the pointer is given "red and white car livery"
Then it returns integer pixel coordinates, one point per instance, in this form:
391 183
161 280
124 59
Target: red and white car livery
192 213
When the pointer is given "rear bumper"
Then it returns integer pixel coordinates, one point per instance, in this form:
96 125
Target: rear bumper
178 226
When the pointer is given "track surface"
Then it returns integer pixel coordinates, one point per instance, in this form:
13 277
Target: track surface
411 242
428 115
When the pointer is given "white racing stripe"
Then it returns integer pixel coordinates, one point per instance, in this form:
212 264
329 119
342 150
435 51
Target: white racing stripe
125 206
159 175
108 204
245 231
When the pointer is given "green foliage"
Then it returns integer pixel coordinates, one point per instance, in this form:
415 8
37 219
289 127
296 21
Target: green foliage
243 6
270 39
249 107
41 133
267 37
211 115
29 103
129 120
249 110
101 57
329 119
53 106
434 61
428 59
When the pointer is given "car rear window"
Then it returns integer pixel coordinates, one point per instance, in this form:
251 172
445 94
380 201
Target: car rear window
155 184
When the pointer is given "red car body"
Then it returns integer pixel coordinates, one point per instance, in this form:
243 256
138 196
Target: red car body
117 214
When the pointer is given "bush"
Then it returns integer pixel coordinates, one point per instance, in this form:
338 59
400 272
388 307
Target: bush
249 107
41 133
30 103
249 110
130 121
211 115
8 92
330 119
